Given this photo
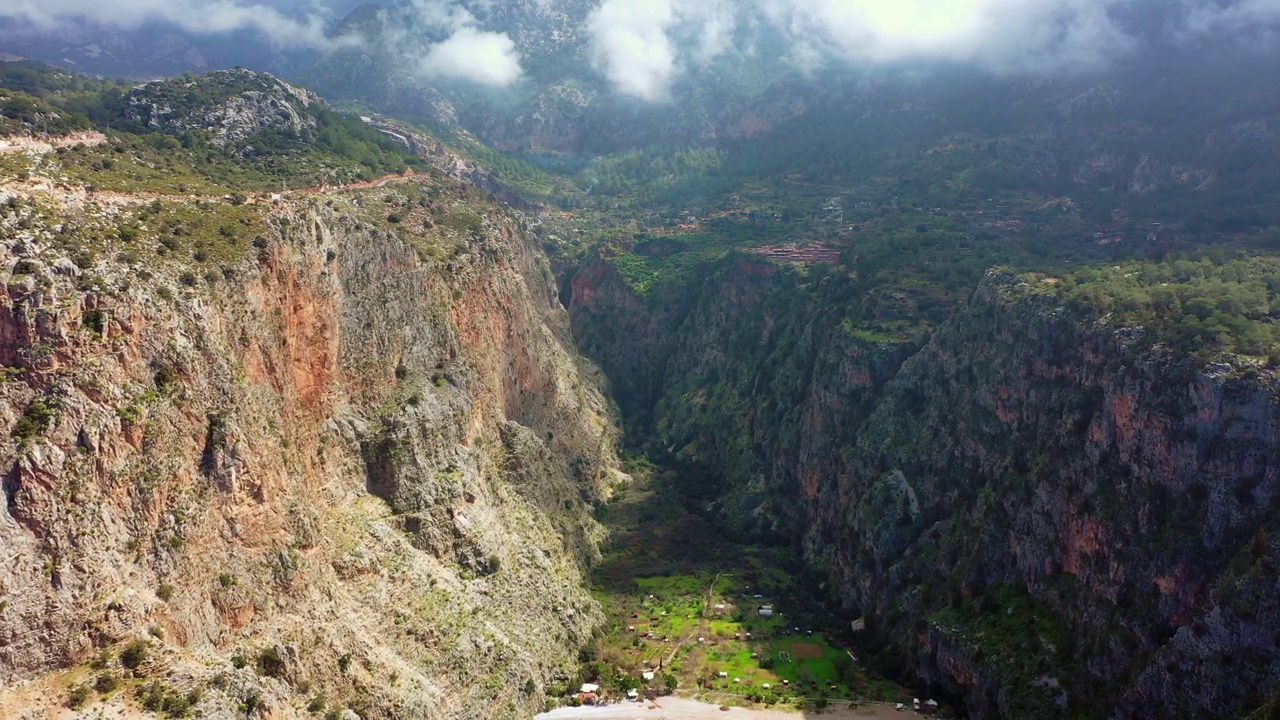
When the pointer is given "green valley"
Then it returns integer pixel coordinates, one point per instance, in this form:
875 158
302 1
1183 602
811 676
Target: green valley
698 611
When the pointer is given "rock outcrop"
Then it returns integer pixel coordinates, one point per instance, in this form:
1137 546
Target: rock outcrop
245 103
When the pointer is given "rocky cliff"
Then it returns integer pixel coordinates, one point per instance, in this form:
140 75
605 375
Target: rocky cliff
331 453
1040 512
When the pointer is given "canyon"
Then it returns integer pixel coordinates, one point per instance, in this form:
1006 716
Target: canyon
349 450
1038 512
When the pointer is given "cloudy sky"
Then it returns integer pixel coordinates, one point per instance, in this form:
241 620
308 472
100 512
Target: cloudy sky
643 46
638 44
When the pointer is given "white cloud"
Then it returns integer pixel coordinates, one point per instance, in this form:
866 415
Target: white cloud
642 46
708 27
1250 17
631 46
468 52
1007 36
305 29
471 54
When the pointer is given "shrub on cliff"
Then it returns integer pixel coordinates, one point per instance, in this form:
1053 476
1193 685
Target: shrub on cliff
134 654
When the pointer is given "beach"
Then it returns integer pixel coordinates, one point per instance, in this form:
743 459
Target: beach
675 708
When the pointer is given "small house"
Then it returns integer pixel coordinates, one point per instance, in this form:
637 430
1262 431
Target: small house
647 675
766 611
589 688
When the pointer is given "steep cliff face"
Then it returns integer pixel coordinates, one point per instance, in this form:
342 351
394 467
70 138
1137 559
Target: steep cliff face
352 469
1128 494
753 370
1040 513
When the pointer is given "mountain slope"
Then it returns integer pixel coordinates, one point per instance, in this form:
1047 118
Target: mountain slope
328 450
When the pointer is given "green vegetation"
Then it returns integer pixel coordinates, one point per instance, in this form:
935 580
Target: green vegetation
685 602
23 114
522 176
181 152
78 696
158 697
134 654
695 258
270 662
1204 302
106 683
1022 637
35 420
895 273
656 174
36 99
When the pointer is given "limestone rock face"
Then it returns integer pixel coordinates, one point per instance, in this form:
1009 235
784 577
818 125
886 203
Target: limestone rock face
355 466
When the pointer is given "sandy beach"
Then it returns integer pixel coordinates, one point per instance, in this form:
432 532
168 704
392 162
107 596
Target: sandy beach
674 708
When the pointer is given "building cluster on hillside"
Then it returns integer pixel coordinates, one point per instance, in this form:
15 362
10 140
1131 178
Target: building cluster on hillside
683 222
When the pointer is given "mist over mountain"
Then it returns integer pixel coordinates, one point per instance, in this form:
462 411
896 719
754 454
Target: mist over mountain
644 47
592 76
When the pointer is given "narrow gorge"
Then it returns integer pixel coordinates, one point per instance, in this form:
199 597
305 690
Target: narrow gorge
1040 512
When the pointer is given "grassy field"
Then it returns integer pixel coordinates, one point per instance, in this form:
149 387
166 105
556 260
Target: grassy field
684 602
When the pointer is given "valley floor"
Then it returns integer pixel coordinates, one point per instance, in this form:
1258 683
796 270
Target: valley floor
675 708
715 619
